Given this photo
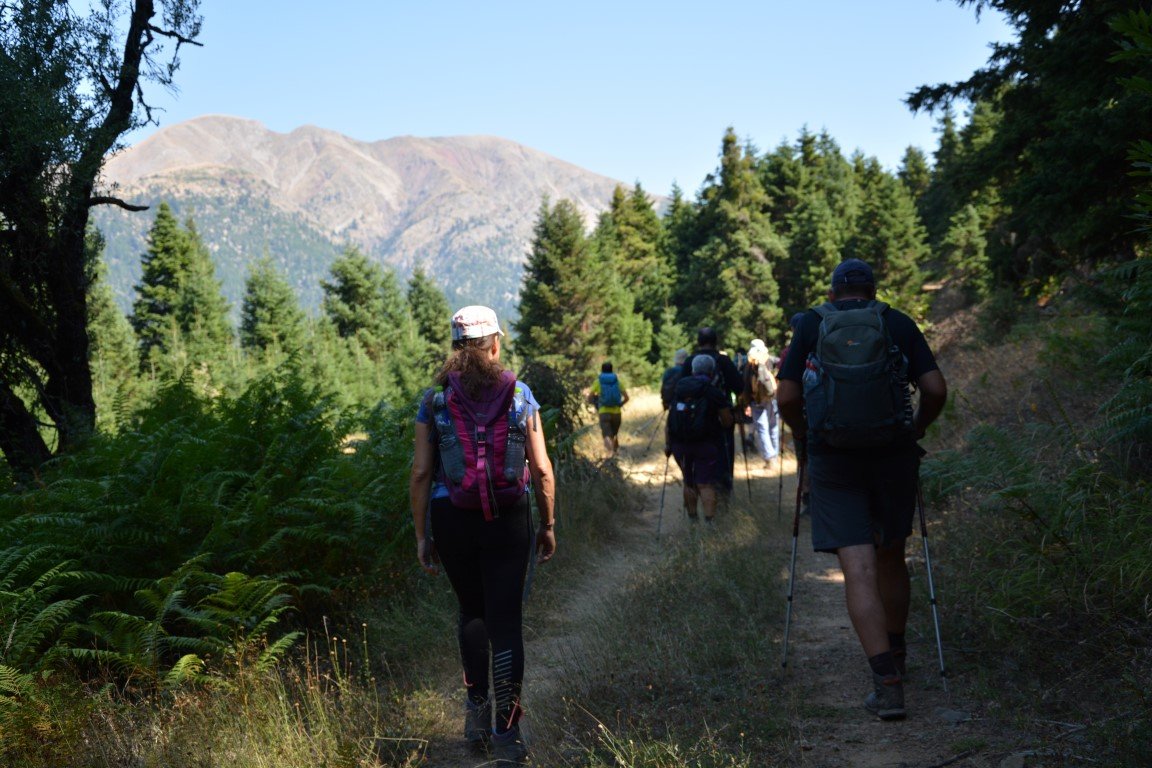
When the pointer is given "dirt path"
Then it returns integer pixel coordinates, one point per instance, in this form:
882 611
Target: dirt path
826 678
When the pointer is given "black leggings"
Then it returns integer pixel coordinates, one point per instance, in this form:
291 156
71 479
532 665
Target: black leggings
486 563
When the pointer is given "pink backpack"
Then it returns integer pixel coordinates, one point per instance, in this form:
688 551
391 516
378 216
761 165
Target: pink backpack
481 444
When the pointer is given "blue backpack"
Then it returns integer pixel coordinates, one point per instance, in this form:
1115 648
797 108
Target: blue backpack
610 396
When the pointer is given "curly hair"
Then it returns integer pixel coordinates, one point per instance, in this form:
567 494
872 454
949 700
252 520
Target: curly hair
471 359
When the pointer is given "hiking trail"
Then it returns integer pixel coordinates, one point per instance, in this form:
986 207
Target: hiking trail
822 689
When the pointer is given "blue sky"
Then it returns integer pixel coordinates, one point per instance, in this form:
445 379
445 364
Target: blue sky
638 91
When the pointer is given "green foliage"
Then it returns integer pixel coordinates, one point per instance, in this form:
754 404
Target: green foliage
245 506
563 294
179 315
1129 411
730 282
270 316
430 312
1062 112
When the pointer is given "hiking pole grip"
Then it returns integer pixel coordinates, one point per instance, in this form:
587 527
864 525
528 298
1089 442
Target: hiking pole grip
931 585
792 567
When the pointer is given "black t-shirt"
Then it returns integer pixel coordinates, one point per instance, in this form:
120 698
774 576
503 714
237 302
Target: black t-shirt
729 375
903 329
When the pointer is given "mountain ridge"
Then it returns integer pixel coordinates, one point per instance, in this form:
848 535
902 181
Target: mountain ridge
461 207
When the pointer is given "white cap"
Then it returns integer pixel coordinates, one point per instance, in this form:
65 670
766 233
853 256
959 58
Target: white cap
474 322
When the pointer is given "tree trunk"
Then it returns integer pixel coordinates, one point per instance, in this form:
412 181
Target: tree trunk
24 449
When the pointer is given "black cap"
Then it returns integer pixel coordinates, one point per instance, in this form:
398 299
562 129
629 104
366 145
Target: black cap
852 272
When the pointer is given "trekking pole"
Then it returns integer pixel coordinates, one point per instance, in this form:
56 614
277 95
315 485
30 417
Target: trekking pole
931 585
652 437
780 485
792 568
663 488
744 448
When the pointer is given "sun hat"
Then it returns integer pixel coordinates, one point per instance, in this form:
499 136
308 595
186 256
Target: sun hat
474 322
852 272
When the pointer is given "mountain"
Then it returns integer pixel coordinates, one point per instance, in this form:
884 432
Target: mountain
461 207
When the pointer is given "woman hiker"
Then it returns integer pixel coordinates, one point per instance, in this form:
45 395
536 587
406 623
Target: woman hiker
474 431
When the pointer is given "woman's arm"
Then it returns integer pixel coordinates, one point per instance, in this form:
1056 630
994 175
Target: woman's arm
544 484
419 489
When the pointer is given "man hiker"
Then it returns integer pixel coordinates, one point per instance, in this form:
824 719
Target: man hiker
699 415
609 397
726 377
672 375
862 456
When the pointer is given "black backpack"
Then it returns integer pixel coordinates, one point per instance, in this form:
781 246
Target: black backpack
856 392
693 416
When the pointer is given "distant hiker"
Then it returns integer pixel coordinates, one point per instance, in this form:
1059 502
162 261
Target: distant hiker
609 396
862 455
727 379
699 415
759 400
474 432
671 376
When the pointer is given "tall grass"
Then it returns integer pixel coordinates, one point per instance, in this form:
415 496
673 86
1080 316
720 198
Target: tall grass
194 543
1050 534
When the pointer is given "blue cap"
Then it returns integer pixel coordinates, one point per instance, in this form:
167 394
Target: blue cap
852 272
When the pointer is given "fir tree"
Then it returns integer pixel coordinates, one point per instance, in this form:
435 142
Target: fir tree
158 294
562 296
112 345
914 172
354 301
270 315
731 283
890 237
430 312
202 311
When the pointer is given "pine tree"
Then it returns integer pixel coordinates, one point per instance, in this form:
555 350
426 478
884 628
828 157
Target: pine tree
890 237
180 315
112 351
430 312
202 311
563 294
158 294
914 172
354 301
731 277
270 315
965 253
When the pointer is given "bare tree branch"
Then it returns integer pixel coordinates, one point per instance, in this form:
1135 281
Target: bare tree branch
174 35
109 200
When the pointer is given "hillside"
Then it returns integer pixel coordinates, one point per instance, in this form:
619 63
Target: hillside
461 207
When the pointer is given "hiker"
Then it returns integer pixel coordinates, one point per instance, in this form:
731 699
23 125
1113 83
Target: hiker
759 400
699 415
481 524
862 456
609 396
727 379
672 375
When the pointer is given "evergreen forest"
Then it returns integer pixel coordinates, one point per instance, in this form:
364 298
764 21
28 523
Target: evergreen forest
192 508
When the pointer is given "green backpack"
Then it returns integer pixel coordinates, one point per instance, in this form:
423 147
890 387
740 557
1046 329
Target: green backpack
856 392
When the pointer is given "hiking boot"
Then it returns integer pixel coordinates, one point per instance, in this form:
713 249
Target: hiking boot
478 724
508 748
887 699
